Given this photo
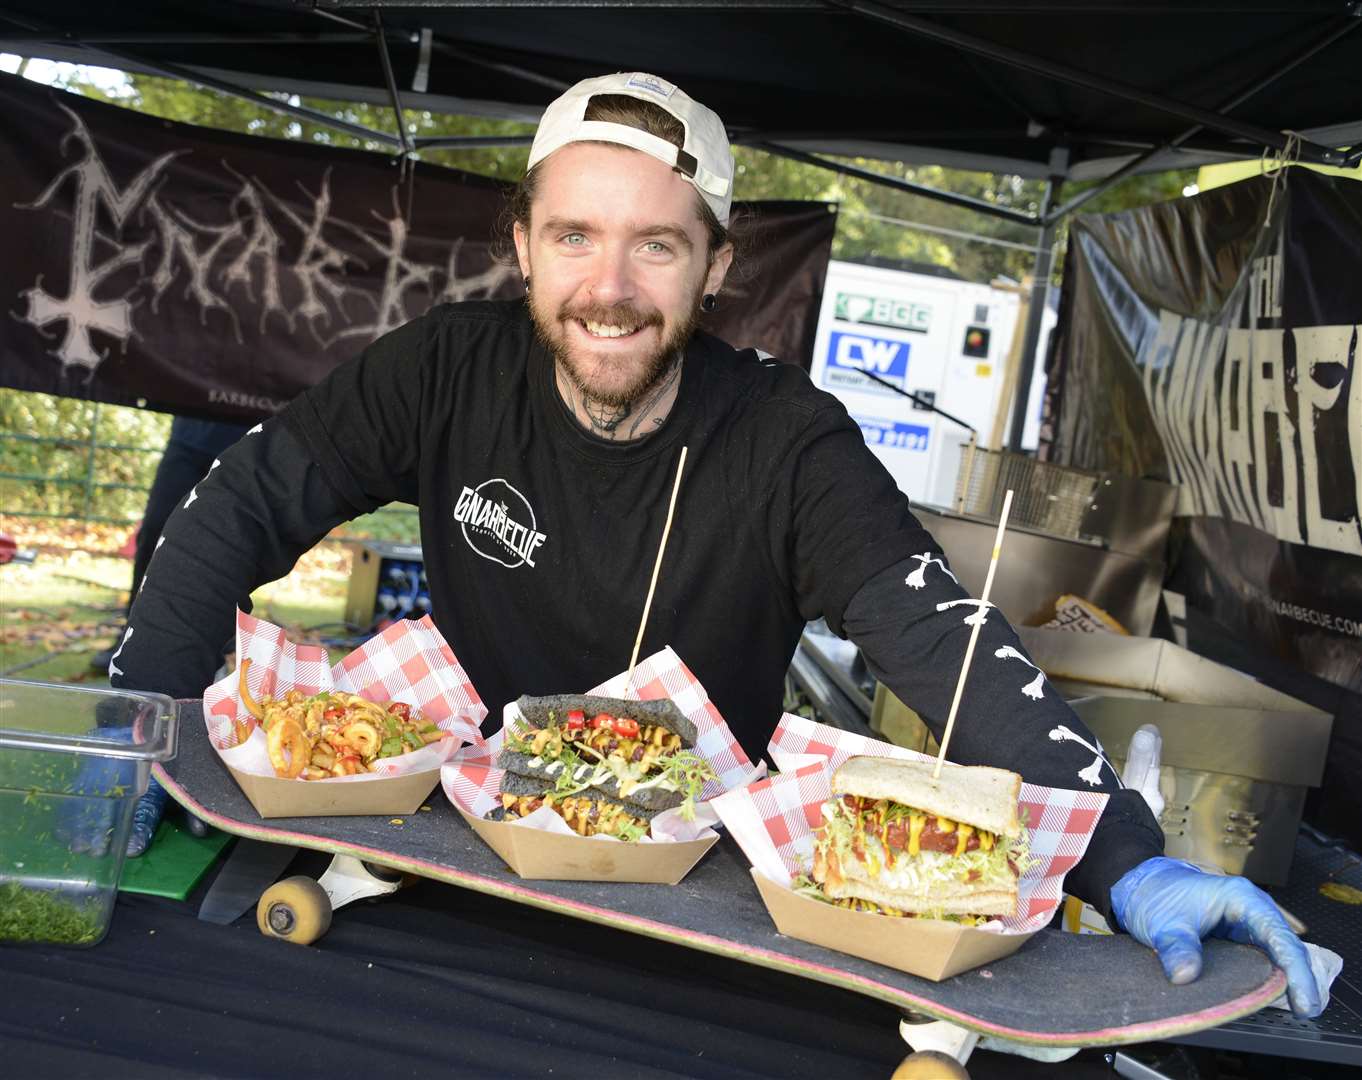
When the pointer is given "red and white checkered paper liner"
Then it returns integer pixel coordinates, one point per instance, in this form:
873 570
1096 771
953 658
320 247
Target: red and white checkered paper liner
472 780
773 821
409 662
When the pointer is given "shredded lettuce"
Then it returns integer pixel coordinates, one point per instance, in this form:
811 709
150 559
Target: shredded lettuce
918 873
681 771
804 885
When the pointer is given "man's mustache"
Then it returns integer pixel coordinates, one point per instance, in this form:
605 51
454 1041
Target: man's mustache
612 314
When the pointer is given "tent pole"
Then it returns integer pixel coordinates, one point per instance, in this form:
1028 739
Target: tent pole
388 77
1050 69
966 201
174 71
133 37
1040 292
469 142
1335 32
302 112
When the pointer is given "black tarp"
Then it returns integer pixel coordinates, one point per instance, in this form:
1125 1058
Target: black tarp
213 274
1214 342
797 70
434 981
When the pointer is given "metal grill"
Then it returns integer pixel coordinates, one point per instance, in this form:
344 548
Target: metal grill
1050 498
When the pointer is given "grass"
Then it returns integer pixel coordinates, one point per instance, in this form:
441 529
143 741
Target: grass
68 605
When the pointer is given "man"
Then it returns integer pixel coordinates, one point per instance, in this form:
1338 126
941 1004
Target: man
190 449
540 440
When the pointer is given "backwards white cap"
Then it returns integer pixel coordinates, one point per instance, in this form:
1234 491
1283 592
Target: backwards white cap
703 158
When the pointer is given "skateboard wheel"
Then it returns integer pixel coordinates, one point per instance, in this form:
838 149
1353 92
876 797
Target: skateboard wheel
296 909
929 1065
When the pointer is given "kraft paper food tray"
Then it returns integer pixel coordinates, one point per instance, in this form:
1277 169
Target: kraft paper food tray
773 821
536 853
409 661
929 948
471 782
275 798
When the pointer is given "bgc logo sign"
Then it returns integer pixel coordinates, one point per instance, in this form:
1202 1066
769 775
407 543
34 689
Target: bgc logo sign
851 354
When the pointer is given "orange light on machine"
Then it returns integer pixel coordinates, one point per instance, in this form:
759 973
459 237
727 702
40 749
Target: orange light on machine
976 341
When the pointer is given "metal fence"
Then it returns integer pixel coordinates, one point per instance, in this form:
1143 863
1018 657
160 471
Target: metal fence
74 485
70 488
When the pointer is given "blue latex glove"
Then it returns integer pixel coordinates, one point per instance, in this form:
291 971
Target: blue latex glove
1170 906
145 817
88 824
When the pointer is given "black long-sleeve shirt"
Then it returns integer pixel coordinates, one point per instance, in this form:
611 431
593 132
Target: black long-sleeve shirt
539 541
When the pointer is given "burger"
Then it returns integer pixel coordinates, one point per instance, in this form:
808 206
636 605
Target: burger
605 765
896 840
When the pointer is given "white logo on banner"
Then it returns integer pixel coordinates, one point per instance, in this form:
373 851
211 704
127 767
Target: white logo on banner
1241 425
230 266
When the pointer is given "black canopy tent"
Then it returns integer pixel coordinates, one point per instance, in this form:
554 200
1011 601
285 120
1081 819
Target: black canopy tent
1054 89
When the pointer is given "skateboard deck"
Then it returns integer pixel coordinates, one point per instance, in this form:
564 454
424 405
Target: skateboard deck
1059 989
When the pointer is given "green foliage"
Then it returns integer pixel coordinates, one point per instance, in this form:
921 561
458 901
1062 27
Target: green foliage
52 464
880 224
875 224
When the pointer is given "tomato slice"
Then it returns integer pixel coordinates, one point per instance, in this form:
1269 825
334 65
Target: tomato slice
626 727
576 720
400 709
335 712
602 719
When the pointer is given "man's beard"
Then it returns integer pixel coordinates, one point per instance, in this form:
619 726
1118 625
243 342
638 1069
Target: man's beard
649 371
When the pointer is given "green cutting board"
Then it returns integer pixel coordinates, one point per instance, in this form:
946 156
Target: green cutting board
174 862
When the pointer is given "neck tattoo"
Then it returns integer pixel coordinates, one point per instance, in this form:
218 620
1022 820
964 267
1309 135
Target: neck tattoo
644 415
604 419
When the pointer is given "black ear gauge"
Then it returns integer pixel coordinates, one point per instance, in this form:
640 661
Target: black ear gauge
709 302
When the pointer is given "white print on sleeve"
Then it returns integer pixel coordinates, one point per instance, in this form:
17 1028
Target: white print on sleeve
1093 773
1033 689
147 573
114 669
194 493
256 430
980 616
918 578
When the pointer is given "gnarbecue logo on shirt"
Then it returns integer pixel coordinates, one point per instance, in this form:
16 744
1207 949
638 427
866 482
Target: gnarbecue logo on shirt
499 523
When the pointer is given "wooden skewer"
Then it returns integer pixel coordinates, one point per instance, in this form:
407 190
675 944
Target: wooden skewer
974 633
657 566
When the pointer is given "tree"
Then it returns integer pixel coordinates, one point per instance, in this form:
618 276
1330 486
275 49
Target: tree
871 226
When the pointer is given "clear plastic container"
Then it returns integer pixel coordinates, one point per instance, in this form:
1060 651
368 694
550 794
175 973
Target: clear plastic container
73 762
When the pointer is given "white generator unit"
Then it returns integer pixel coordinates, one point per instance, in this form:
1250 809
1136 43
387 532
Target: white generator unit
943 340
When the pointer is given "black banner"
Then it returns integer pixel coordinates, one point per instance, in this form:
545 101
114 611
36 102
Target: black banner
210 274
1213 341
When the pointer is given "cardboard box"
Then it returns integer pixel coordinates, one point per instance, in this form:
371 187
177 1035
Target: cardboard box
274 797
535 853
931 948
1237 757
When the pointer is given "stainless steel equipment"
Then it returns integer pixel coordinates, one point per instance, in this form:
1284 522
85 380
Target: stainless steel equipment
1095 535
1037 568
1237 755
830 673
1122 513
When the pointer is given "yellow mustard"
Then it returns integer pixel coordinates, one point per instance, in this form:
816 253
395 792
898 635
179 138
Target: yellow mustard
962 838
916 823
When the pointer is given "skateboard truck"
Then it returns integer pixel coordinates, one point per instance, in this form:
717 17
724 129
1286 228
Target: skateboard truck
940 1048
298 909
